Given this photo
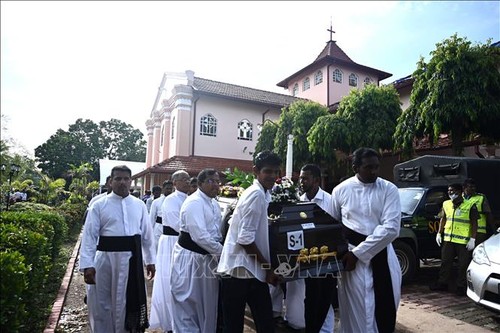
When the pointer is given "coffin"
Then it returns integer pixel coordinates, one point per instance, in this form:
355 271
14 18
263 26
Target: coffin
304 241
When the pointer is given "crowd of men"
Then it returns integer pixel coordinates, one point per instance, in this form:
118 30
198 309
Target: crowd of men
204 281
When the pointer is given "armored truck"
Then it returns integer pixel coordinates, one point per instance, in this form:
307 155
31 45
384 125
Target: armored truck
423 186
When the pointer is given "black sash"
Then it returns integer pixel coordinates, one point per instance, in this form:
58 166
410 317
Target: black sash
385 309
158 219
186 242
136 306
169 231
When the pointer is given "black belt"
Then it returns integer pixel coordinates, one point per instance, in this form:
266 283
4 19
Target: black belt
158 219
186 242
136 307
169 231
116 243
385 309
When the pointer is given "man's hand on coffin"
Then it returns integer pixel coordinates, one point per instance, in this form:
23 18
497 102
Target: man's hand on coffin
273 278
349 261
89 275
151 270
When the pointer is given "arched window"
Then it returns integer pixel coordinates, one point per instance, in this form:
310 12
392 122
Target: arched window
208 125
172 129
245 130
306 84
337 75
318 78
367 80
295 89
353 80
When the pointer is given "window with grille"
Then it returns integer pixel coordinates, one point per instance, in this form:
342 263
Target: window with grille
307 84
367 80
318 78
337 75
208 125
245 130
295 90
353 80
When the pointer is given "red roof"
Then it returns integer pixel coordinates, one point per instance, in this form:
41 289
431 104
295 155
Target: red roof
194 164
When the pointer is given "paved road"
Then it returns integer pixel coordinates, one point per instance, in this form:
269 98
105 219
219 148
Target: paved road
420 311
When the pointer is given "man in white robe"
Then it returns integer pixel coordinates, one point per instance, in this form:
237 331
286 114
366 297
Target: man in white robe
155 214
194 286
161 298
369 209
110 253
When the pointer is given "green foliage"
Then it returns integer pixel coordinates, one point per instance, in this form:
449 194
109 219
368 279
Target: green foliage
35 249
364 118
50 225
73 214
329 134
456 92
87 142
239 178
266 138
13 284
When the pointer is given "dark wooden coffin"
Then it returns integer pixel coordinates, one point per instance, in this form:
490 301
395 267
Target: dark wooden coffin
304 241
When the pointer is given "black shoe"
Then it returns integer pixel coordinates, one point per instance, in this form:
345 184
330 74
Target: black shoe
461 291
438 287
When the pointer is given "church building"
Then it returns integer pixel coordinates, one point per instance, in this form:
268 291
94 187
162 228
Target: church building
197 123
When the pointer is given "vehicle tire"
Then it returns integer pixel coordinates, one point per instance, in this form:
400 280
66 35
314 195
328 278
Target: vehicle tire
407 260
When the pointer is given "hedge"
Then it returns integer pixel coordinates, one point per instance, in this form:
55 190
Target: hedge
13 284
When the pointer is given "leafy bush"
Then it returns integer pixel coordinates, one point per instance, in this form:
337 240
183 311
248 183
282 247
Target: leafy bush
30 206
13 285
73 214
239 178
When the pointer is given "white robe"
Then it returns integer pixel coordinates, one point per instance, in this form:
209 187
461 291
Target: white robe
155 211
161 298
112 216
296 290
195 288
373 210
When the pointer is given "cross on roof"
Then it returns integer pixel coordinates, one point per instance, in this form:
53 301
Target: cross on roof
331 30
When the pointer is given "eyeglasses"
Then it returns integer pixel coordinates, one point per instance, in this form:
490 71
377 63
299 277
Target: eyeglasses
212 181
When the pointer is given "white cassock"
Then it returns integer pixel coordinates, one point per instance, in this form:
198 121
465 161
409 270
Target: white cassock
195 288
112 216
296 290
154 212
161 298
370 209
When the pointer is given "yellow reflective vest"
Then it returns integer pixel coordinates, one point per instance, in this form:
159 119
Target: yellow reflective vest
458 227
478 199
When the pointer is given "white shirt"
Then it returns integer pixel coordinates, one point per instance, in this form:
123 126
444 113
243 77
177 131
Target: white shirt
200 217
156 209
116 216
322 199
247 225
170 210
95 198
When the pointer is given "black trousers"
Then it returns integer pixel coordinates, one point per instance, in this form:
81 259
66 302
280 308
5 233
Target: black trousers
321 292
236 293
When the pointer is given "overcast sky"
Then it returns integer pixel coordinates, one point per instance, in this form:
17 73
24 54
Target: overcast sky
97 60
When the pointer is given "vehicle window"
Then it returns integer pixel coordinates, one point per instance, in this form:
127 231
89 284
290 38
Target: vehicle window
410 197
436 198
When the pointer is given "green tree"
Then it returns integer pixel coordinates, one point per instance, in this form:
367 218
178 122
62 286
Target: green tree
296 119
364 118
266 137
456 92
87 142
122 141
